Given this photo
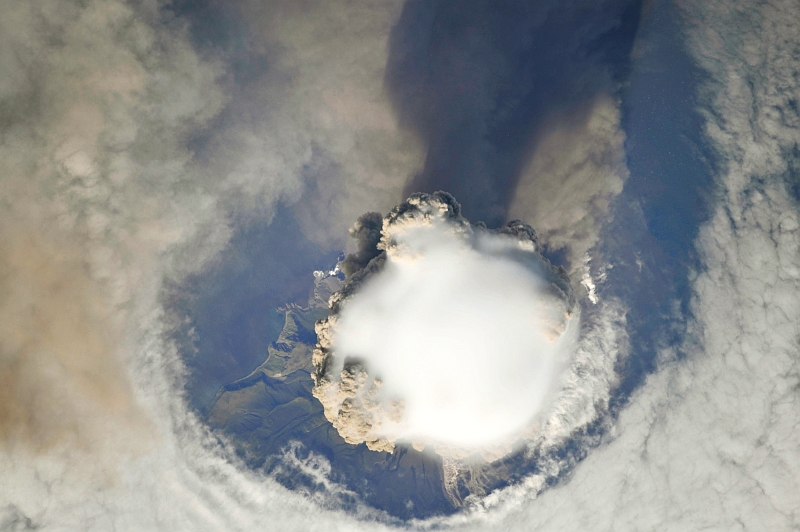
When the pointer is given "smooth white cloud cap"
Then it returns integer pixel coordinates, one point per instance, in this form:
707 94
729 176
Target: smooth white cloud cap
463 329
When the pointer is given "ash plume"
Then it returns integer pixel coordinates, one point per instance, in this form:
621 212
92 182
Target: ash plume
446 333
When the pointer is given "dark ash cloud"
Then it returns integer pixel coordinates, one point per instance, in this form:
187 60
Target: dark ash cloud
367 233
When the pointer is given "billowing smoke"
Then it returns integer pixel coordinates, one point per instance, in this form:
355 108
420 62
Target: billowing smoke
446 334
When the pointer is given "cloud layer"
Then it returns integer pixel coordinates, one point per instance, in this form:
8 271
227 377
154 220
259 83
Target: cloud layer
102 200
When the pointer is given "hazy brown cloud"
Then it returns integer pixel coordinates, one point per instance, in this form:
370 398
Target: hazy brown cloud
95 107
317 122
62 381
574 173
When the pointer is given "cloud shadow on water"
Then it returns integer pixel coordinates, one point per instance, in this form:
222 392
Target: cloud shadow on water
480 81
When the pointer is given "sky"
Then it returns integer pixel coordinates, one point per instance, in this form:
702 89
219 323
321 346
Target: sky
174 172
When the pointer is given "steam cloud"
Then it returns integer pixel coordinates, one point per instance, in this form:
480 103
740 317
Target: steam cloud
445 334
